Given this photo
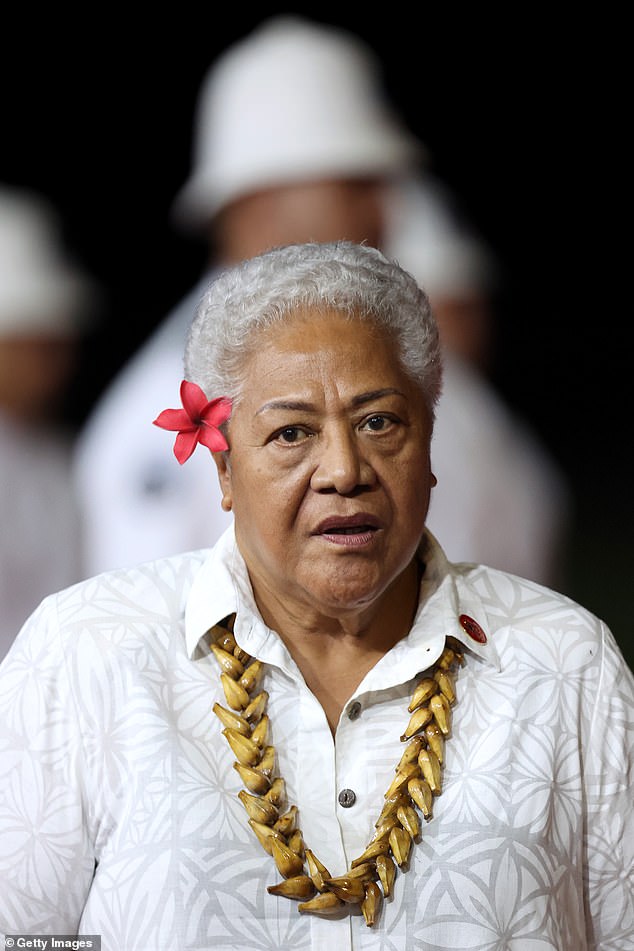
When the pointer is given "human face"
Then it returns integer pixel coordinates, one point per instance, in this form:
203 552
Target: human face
328 472
34 374
325 210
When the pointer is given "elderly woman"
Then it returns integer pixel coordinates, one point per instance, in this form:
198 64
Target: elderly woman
318 733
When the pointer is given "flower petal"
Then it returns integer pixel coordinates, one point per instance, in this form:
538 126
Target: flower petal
211 437
193 399
174 419
217 411
185 443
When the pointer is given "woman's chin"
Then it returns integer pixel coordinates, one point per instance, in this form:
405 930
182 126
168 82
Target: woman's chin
345 591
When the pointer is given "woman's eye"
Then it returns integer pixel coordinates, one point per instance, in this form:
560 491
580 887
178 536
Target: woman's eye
291 434
377 424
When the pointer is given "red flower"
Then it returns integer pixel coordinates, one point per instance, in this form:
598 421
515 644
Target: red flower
198 421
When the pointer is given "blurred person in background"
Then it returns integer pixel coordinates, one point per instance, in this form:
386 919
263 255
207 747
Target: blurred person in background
295 140
501 498
46 303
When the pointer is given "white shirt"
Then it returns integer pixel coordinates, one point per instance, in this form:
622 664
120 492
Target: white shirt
40 538
500 500
111 756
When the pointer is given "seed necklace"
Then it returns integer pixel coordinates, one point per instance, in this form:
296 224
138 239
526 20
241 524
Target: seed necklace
417 781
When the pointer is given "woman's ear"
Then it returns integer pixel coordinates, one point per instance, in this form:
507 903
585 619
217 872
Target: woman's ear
224 478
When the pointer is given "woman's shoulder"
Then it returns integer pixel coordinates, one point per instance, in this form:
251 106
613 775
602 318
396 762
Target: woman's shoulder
524 603
138 603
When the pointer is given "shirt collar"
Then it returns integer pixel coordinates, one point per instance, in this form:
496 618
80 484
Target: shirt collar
214 592
451 604
448 606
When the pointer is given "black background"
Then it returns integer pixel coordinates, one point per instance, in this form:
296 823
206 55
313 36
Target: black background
524 115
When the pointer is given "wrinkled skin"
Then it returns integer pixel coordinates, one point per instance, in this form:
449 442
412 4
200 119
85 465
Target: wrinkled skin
328 475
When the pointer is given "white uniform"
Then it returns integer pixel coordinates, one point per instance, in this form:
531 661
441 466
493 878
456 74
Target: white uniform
39 522
500 498
137 502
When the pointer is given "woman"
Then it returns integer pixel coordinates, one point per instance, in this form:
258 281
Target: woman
320 732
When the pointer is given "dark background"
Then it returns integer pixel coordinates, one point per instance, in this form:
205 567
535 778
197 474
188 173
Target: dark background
526 118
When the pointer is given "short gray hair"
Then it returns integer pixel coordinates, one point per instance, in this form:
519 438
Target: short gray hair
356 280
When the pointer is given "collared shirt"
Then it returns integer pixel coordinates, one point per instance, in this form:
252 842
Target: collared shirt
119 808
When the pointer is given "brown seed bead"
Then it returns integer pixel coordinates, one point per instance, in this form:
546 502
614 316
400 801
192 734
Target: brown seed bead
408 817
400 779
232 719
324 902
235 694
277 791
317 870
265 835
296 843
348 889
387 872
288 863
230 664
446 684
442 712
400 844
410 753
251 676
365 871
260 732
255 782
376 847
245 749
259 809
266 763
298 886
435 740
424 690
371 904
422 795
430 768
417 722
286 823
256 707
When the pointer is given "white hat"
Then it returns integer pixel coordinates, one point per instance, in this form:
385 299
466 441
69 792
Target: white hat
40 289
292 101
429 237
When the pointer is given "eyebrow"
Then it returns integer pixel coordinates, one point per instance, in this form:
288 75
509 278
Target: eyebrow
303 406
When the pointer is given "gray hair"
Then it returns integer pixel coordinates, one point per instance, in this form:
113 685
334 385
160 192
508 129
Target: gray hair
349 278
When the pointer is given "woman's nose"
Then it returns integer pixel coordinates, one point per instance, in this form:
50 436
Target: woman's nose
341 464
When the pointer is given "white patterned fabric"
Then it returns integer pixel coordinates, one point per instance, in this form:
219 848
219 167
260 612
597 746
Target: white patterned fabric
119 813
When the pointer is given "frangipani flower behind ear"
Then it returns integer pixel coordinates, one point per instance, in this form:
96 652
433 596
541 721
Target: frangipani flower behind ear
198 421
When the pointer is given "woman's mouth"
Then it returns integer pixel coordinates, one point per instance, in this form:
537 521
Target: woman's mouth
350 531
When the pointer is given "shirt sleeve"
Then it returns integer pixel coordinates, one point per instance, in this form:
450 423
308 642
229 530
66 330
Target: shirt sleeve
46 858
608 778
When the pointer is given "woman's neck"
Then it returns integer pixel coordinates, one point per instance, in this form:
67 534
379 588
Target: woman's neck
335 654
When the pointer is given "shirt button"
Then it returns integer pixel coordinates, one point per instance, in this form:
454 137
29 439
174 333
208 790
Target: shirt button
354 710
347 798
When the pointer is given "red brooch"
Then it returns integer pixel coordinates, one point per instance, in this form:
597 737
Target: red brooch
472 628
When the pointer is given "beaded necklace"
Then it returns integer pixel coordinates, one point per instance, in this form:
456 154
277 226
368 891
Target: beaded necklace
417 781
